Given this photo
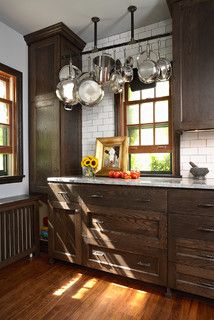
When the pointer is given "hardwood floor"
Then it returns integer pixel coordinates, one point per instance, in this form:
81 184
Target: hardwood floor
34 290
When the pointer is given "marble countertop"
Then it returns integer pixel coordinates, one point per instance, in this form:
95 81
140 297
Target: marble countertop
184 183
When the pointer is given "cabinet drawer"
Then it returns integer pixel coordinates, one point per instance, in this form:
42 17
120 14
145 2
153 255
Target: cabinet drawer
191 279
192 202
195 253
151 268
187 227
125 229
62 193
124 197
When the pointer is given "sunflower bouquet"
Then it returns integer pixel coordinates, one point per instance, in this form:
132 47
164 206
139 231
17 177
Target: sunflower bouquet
89 163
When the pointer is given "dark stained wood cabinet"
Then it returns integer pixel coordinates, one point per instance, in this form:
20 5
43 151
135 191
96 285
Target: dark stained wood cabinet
54 134
128 238
157 235
191 241
193 64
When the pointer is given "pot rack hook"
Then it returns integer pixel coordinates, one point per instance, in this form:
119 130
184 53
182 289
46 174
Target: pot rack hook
95 20
132 10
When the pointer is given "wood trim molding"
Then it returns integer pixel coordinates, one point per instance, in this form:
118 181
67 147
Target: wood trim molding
56 29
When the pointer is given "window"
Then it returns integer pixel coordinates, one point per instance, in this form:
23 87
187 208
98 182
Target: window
10 125
147 123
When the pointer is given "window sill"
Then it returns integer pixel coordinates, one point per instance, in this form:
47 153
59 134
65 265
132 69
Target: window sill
11 179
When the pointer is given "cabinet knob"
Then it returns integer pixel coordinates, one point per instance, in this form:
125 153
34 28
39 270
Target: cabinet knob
76 210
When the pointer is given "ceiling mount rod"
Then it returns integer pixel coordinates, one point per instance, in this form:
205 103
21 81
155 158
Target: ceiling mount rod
95 20
132 10
158 36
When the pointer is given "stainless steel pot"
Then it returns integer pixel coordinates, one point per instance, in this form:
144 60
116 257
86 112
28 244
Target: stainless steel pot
127 69
90 92
165 67
103 66
66 89
148 70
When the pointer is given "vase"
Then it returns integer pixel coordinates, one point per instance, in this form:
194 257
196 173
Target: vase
89 172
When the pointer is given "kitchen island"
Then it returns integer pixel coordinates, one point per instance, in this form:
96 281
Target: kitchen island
157 230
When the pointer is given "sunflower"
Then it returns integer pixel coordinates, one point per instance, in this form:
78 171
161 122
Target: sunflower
94 162
87 162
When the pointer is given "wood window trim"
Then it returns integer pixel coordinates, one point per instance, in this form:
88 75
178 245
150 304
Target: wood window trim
119 116
16 139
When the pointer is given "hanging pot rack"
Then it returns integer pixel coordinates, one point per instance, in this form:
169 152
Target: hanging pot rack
132 10
103 65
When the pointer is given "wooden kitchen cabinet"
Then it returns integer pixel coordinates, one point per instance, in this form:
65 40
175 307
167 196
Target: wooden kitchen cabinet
191 241
127 238
163 236
54 134
193 64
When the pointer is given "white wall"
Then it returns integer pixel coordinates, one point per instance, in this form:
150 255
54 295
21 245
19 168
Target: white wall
13 52
99 121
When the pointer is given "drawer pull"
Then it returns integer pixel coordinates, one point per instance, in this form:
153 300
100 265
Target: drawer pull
207 256
64 194
205 284
205 205
144 264
143 200
98 221
204 229
98 196
98 253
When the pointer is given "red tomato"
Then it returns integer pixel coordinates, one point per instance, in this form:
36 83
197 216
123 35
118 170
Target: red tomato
111 174
117 174
126 175
135 174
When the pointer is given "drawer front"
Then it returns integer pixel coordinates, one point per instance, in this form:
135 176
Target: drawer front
128 230
195 253
188 227
191 279
148 267
62 193
194 202
149 199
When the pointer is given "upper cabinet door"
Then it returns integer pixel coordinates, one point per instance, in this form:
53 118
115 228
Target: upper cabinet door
193 55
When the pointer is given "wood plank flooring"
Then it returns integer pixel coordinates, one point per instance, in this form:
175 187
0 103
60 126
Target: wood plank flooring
35 290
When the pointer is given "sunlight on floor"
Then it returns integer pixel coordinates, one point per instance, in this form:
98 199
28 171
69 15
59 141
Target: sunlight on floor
82 291
68 285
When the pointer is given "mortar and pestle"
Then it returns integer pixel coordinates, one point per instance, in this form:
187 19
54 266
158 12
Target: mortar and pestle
197 172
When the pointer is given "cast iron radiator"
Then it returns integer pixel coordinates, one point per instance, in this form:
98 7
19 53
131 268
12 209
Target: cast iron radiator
19 228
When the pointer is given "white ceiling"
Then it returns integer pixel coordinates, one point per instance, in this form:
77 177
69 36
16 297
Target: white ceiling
26 16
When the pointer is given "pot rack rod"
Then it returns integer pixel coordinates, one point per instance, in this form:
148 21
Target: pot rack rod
158 36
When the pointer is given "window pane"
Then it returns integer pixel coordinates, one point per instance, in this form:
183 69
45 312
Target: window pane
4 113
161 134
133 114
161 111
133 95
4 136
133 133
3 89
162 89
147 136
146 112
148 93
151 162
